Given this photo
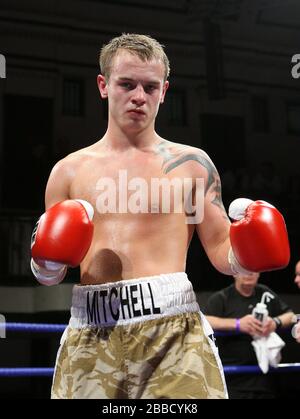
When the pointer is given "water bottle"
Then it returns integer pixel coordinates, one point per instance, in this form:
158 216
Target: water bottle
260 312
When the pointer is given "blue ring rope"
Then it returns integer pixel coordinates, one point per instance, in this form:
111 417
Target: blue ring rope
34 327
58 328
230 370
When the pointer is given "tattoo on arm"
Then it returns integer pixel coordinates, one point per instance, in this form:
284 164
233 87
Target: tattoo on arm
174 156
218 197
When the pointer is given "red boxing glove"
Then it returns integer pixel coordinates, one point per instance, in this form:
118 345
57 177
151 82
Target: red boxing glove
64 234
259 240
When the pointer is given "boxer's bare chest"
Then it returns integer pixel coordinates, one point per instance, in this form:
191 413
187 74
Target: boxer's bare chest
130 182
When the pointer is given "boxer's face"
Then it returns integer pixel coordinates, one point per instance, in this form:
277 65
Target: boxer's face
297 274
135 90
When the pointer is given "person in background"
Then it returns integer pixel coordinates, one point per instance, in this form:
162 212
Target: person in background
231 310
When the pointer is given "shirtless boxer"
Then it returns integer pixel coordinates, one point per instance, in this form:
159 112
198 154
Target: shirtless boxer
136 330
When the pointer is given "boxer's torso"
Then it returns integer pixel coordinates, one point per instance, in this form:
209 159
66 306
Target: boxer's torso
128 243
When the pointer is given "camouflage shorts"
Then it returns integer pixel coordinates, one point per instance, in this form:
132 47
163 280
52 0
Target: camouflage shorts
151 356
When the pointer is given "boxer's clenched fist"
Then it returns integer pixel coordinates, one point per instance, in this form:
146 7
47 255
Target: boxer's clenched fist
258 237
61 238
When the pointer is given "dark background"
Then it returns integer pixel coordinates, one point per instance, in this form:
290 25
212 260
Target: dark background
232 93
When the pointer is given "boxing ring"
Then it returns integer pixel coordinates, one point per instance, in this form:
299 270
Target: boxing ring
59 328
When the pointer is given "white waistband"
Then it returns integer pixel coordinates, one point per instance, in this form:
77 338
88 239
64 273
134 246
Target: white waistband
133 300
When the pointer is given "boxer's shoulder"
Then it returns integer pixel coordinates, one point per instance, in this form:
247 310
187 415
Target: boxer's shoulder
62 175
195 161
200 163
177 154
175 148
73 161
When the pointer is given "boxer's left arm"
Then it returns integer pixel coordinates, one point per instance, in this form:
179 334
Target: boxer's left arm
214 229
256 243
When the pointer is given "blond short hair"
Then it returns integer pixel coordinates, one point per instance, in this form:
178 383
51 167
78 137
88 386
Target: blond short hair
144 46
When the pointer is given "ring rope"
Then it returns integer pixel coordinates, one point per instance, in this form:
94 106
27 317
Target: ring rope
58 328
228 370
35 327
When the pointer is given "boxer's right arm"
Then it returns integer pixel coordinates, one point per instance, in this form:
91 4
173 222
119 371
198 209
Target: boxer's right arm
57 190
59 182
46 269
